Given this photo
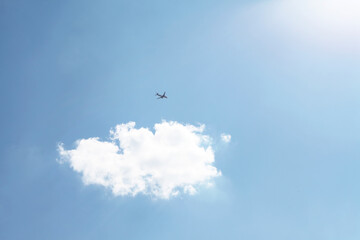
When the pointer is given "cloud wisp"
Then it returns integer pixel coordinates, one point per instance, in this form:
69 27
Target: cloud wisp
173 159
226 138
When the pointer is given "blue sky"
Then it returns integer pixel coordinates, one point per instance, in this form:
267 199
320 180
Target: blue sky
282 77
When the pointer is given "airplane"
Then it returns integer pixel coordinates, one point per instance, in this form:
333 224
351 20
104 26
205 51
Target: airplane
161 96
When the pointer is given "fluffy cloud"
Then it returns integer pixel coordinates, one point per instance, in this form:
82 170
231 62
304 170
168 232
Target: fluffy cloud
174 158
225 137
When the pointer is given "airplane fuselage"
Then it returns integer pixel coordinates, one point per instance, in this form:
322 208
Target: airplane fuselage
161 96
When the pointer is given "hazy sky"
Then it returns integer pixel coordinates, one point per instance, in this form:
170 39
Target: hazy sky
258 139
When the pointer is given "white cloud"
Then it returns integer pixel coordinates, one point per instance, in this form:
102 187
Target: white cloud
225 137
324 24
175 158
